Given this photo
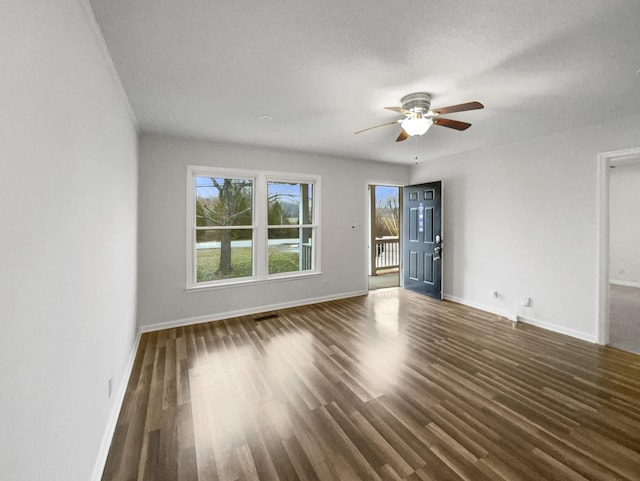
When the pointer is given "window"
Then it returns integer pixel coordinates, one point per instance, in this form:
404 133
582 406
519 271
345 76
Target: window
224 228
291 229
248 226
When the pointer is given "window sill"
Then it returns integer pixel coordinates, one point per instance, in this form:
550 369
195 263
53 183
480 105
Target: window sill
252 282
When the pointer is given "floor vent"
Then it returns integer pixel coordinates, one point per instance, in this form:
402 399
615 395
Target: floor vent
264 317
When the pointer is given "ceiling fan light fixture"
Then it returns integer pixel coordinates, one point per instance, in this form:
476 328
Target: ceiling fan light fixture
416 125
419 116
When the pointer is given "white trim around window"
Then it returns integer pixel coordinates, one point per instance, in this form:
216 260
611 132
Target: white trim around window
258 223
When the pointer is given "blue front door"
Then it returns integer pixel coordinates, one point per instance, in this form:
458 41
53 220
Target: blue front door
422 239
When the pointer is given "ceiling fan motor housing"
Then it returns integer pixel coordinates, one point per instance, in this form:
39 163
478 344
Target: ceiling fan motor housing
417 102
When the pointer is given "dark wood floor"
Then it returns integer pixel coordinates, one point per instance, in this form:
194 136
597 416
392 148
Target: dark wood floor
390 386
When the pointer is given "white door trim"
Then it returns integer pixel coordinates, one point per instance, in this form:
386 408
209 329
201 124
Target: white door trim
602 302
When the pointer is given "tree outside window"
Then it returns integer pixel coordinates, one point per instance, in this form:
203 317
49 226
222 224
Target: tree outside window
224 228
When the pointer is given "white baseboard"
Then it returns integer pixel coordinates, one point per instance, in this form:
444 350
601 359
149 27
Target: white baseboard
246 312
110 429
624 283
477 305
550 326
526 319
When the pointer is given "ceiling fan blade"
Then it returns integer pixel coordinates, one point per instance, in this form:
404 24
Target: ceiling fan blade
400 110
376 126
452 124
459 108
403 136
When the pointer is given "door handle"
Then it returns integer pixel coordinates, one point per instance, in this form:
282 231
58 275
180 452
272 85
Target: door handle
436 252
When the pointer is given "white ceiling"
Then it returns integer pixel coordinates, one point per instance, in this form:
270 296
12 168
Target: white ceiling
324 69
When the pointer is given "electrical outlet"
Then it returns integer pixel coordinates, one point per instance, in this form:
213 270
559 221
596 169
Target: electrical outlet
110 385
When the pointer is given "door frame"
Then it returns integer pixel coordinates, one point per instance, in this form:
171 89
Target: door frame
370 218
602 268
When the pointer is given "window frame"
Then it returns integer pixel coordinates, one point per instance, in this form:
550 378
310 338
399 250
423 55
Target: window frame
313 226
260 225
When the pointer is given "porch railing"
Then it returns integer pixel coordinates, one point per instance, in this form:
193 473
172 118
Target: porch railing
306 257
387 253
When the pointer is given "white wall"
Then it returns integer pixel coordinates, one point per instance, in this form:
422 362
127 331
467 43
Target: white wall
521 219
68 239
624 224
162 227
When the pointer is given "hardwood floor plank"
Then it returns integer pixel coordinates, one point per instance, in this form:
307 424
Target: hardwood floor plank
459 431
556 468
356 438
394 463
262 460
394 439
391 386
498 469
435 469
186 445
348 450
278 455
300 461
387 473
458 462
416 441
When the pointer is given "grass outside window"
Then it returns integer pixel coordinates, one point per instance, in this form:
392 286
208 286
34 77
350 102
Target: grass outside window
209 259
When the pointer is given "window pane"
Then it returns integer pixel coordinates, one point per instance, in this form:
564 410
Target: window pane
387 213
290 203
223 202
223 254
290 250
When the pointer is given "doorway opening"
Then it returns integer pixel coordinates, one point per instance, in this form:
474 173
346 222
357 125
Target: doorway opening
384 242
619 234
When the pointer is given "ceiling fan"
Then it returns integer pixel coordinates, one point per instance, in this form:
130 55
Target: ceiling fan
418 116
